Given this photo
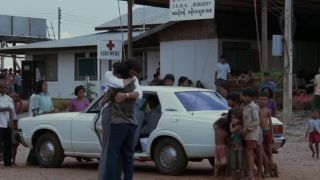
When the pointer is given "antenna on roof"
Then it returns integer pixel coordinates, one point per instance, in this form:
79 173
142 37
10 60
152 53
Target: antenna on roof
52 31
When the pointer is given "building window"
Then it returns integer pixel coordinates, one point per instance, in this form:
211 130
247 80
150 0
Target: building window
46 67
85 66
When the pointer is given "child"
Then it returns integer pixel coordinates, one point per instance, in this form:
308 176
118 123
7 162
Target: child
266 125
17 103
237 144
81 102
15 140
314 133
250 130
234 102
272 104
221 127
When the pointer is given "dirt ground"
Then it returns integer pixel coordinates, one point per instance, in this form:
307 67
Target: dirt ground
294 162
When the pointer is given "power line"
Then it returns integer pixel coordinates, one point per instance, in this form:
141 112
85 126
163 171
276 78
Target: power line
82 20
83 17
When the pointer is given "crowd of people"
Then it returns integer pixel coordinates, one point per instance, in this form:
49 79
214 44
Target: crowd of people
244 137
12 79
169 80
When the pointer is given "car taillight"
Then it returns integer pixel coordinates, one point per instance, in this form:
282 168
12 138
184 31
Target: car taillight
277 129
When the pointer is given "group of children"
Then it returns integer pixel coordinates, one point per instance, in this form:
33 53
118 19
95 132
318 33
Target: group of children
244 138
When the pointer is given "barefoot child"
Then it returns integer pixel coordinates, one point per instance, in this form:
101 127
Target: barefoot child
250 130
15 140
237 145
266 125
313 132
222 135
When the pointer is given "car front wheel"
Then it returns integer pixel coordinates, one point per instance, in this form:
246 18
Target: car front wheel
48 151
170 157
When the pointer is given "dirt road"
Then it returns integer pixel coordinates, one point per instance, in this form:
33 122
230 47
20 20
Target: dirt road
294 162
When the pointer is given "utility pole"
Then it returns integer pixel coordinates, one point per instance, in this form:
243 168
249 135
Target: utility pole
288 56
130 46
264 34
59 22
2 45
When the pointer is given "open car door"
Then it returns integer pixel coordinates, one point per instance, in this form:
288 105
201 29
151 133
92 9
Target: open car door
96 123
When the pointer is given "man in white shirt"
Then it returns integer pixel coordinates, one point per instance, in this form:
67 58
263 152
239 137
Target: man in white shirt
6 121
317 90
222 72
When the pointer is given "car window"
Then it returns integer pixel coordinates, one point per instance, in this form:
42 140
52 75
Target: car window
202 100
94 107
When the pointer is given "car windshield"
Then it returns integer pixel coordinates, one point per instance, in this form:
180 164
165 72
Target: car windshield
202 101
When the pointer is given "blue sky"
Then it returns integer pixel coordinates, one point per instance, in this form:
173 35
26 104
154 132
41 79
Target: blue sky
79 17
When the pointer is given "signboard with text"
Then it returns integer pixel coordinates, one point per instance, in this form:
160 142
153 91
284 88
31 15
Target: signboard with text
191 9
110 50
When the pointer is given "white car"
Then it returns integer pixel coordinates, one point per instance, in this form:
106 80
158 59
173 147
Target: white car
180 131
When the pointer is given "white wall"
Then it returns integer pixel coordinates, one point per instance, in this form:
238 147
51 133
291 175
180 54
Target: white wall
64 87
195 59
153 58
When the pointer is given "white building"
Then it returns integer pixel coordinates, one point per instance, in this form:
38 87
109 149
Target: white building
64 63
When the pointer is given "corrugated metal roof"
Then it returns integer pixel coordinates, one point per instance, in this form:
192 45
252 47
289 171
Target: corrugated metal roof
147 15
81 41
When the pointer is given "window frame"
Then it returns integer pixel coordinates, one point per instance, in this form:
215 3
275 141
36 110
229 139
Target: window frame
224 104
81 56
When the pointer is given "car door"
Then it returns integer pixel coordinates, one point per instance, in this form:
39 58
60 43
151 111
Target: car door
83 136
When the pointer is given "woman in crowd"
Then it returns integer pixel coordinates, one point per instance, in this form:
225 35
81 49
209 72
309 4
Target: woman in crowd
81 102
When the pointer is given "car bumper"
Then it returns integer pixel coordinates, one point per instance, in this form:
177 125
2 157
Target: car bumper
21 138
279 141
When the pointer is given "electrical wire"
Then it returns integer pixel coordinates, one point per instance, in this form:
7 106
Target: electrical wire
258 33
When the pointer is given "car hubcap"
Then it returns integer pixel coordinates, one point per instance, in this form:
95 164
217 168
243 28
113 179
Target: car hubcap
47 151
168 156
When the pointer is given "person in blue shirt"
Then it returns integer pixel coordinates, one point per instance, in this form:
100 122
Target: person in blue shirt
268 83
43 101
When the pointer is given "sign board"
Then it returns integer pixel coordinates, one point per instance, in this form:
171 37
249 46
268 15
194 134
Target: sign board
110 50
191 9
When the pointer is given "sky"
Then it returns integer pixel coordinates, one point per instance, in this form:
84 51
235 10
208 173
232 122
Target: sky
79 17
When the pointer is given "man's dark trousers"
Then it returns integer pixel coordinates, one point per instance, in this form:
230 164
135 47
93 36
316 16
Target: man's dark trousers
121 144
5 137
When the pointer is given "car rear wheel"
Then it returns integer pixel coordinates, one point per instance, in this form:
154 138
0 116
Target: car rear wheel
170 157
48 151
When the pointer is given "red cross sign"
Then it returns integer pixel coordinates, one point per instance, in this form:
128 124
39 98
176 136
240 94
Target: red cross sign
109 49
110 45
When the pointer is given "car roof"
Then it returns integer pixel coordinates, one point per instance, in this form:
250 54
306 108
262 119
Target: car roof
172 89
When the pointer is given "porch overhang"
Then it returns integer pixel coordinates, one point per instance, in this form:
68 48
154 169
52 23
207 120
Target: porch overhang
299 5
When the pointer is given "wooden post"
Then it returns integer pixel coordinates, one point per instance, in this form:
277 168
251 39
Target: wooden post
288 56
59 23
130 46
2 45
264 34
